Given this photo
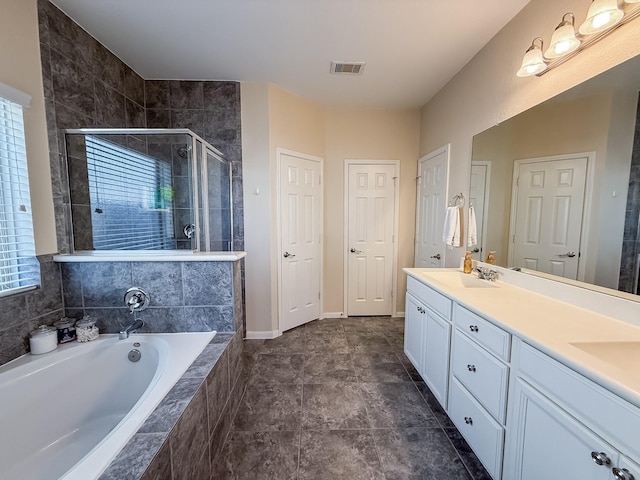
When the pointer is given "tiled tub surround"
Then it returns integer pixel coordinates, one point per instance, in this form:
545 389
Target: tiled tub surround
186 296
183 437
23 312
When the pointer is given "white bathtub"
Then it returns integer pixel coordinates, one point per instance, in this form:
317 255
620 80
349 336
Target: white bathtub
66 414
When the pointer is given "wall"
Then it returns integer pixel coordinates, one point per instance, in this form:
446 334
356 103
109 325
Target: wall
371 134
486 91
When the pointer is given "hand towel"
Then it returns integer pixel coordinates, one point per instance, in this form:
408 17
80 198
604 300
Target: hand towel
472 228
451 233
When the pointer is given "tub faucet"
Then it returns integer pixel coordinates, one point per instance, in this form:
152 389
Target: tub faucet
132 327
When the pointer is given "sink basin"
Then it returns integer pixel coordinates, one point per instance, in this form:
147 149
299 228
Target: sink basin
620 354
459 279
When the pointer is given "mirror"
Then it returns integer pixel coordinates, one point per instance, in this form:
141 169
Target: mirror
552 190
147 190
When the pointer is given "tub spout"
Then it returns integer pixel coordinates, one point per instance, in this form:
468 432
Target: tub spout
124 333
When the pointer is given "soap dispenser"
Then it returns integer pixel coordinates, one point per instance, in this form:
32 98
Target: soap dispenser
491 258
467 262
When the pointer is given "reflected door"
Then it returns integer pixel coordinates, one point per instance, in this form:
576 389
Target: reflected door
546 231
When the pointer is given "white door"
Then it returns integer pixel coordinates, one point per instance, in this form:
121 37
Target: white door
549 198
414 320
301 239
371 197
433 171
435 359
479 199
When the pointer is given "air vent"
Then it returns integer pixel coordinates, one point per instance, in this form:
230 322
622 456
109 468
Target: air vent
347 68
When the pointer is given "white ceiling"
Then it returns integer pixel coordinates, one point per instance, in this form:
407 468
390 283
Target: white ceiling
412 47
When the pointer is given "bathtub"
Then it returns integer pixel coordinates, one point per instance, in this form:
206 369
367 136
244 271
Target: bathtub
66 414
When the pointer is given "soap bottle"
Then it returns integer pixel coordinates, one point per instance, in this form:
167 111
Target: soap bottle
467 262
491 258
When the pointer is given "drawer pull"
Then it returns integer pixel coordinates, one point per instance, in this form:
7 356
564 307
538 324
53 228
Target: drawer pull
622 474
468 420
473 328
471 368
600 458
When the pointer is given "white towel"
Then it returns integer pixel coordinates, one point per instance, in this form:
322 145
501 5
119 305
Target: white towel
472 228
452 227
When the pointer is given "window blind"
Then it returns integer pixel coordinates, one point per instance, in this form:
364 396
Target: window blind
131 198
19 268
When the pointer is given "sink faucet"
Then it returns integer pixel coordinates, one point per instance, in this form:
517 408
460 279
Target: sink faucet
486 274
132 327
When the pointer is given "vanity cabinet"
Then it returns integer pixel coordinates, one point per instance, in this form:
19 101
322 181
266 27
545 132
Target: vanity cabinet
428 336
562 425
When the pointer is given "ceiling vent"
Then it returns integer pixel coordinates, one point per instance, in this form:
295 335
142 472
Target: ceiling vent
347 68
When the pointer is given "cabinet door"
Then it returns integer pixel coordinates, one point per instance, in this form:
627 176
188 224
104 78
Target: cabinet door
544 442
414 331
435 365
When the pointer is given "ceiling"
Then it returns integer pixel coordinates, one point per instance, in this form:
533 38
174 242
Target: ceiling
412 48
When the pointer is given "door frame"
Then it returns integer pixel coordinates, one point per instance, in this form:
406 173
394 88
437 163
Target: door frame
485 219
446 149
278 250
345 236
586 207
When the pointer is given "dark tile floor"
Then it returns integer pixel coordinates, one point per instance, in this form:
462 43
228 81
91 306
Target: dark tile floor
337 399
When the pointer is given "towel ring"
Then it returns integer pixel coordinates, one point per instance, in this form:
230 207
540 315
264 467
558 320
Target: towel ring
457 200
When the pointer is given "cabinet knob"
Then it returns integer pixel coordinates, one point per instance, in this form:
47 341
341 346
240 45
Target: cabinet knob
473 328
471 368
468 420
622 474
600 458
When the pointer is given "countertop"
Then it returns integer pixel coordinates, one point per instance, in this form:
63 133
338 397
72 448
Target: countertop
551 326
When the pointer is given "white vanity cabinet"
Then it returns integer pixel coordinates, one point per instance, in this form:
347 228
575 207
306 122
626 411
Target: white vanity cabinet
562 425
428 336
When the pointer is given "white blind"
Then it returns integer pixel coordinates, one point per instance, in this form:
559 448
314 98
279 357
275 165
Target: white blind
19 268
131 198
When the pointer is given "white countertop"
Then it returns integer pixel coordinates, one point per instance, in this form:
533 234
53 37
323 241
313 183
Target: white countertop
551 326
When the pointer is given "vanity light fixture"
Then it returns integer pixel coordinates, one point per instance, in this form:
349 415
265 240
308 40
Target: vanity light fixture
563 40
533 61
603 17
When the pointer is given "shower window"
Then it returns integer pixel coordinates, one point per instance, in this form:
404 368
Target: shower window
131 197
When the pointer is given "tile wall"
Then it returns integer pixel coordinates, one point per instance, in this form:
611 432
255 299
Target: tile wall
629 263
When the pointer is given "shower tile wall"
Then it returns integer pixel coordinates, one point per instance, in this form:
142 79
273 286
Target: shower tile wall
629 264
185 296
28 310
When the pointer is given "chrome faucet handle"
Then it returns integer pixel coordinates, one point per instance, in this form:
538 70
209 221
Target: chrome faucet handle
136 299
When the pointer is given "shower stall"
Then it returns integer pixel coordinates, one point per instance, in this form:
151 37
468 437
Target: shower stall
147 189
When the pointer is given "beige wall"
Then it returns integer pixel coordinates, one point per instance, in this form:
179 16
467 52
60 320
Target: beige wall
21 69
372 135
334 134
486 91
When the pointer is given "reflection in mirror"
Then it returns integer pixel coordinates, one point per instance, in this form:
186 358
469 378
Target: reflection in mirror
563 195
146 190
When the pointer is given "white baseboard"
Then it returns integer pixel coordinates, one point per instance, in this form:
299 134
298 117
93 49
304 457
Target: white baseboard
263 335
333 315
399 314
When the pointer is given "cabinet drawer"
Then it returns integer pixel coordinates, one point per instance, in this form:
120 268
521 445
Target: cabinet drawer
480 430
482 331
608 415
432 299
482 373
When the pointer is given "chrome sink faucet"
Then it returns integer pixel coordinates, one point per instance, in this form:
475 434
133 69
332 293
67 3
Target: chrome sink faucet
136 299
486 274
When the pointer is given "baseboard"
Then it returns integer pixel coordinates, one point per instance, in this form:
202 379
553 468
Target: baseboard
399 314
333 315
263 335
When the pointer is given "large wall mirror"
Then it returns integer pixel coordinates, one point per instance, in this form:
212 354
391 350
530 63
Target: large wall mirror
556 189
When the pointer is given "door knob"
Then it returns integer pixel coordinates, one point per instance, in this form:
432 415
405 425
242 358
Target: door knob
437 257
353 250
287 255
568 254
476 250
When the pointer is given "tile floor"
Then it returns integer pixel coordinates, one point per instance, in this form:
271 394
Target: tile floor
337 399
